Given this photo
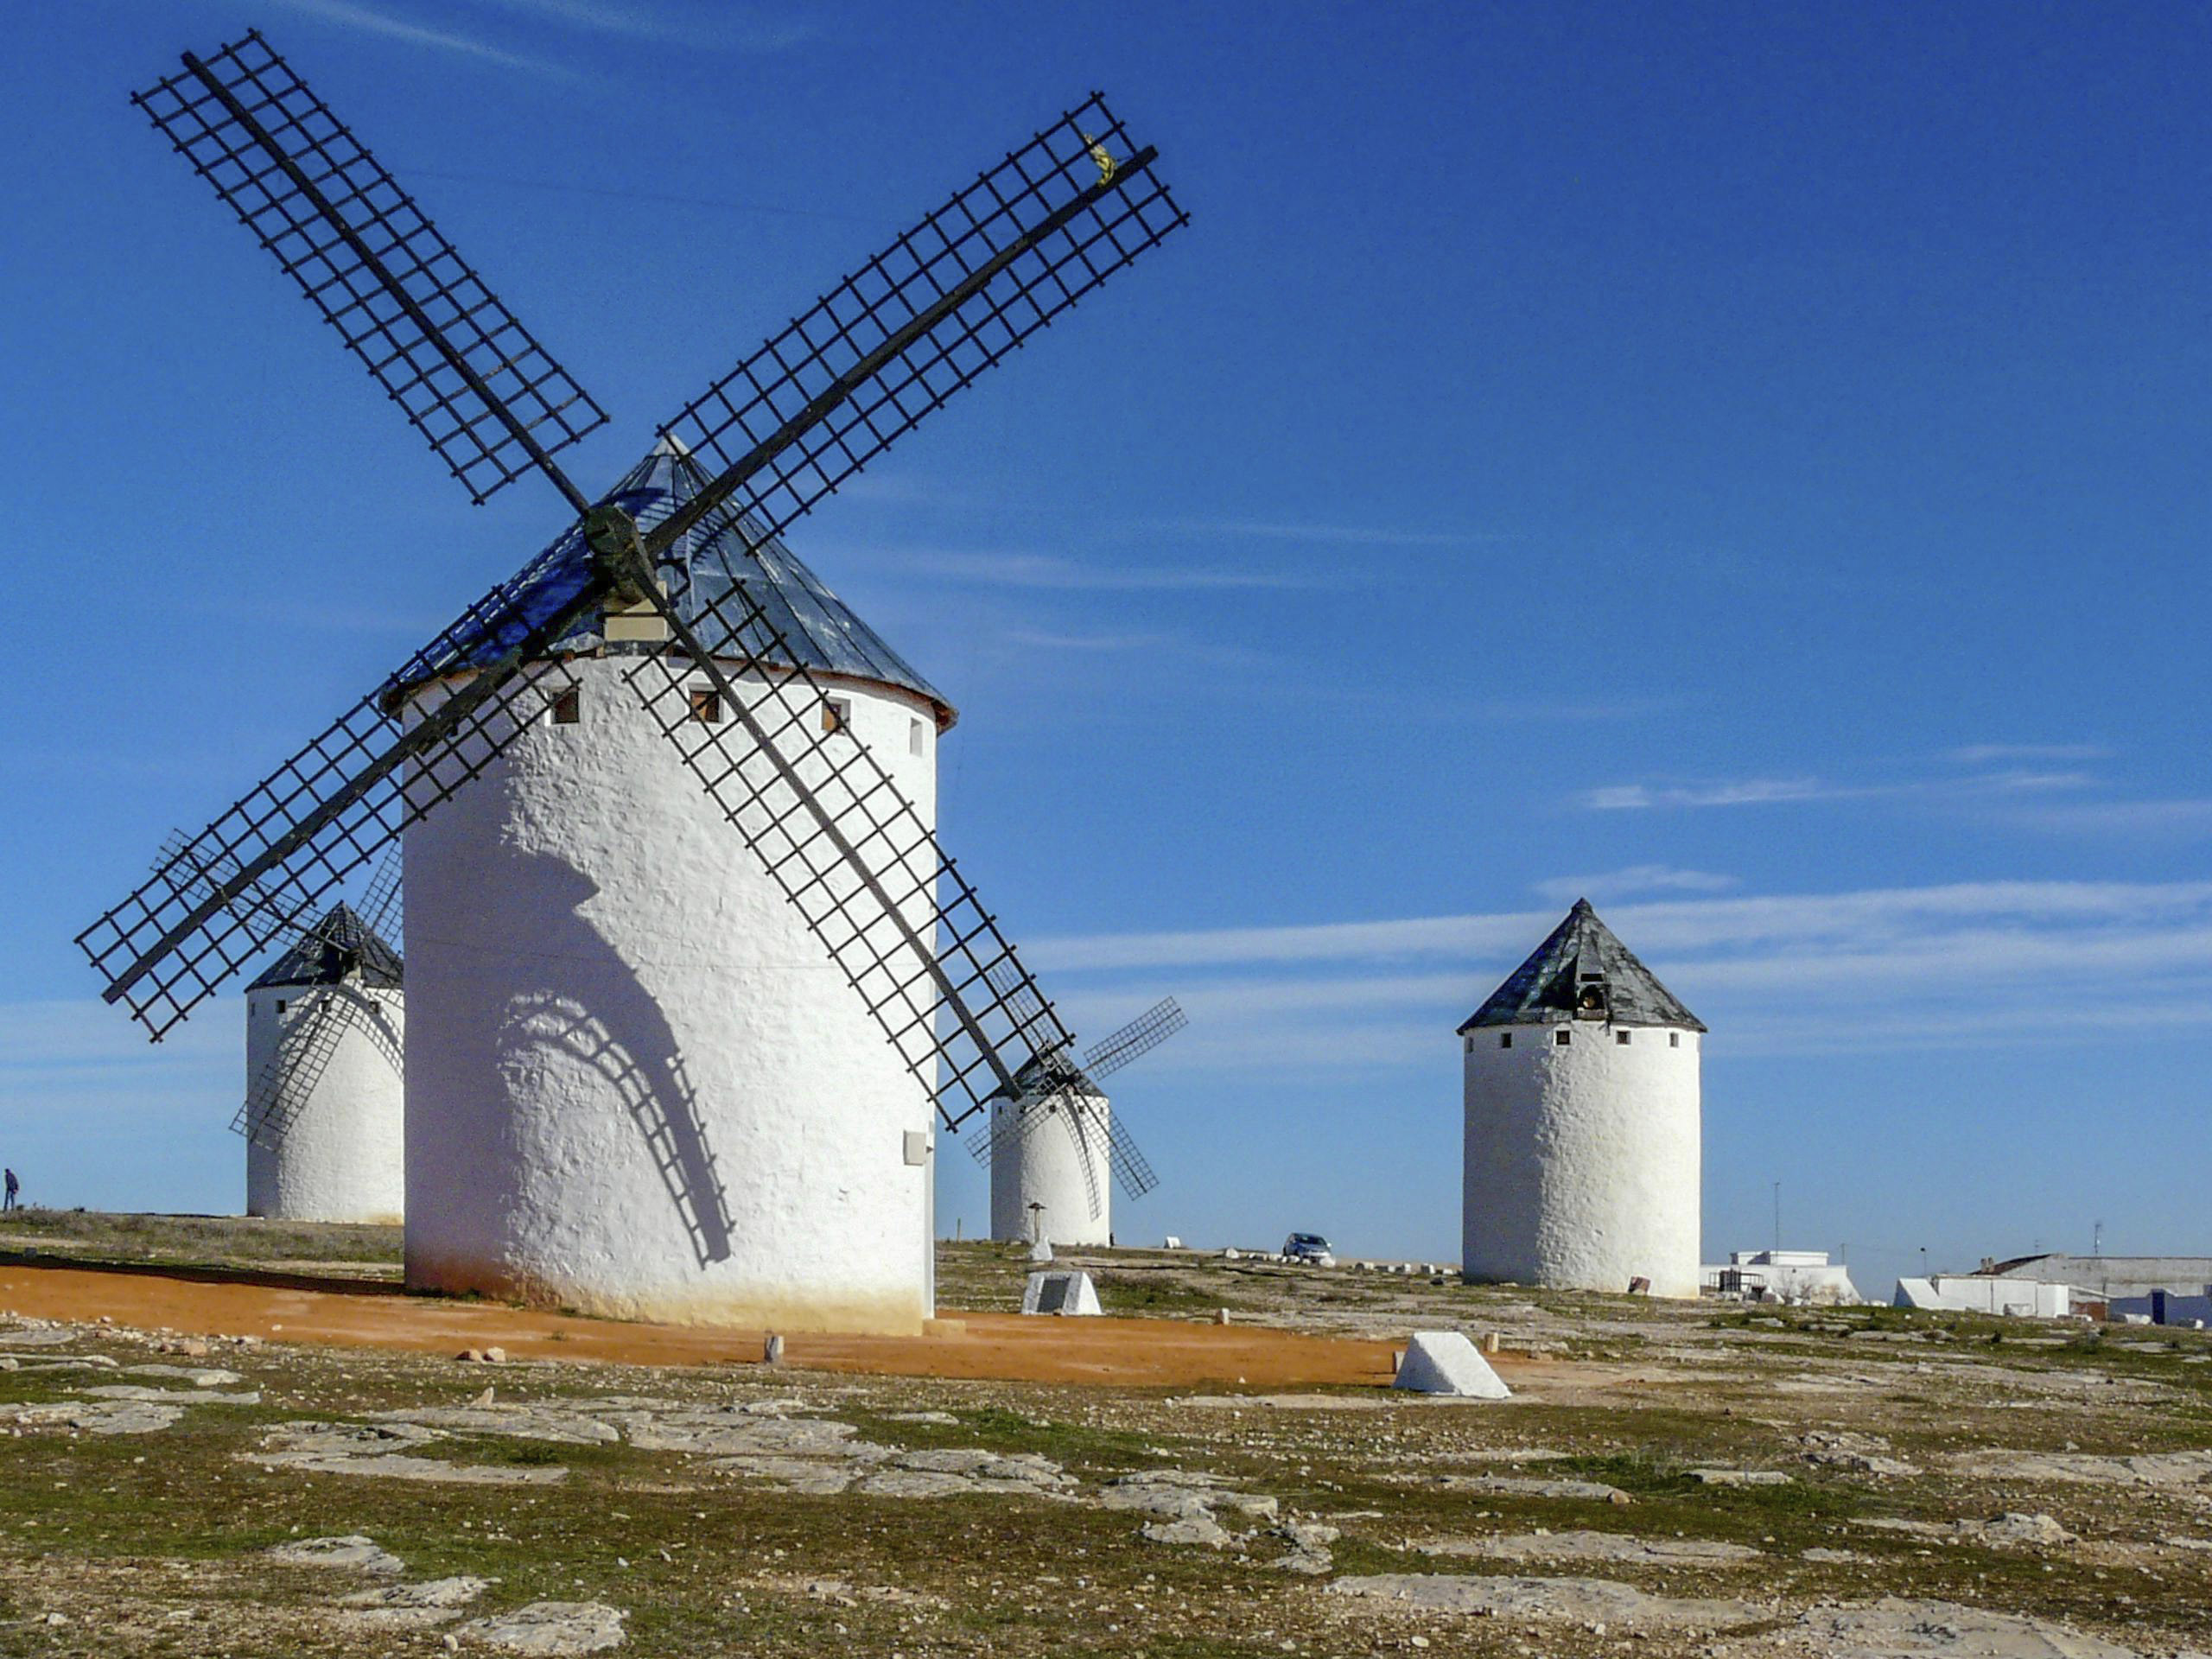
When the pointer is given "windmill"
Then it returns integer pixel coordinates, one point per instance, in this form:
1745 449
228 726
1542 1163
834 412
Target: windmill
324 1107
527 756
1055 1141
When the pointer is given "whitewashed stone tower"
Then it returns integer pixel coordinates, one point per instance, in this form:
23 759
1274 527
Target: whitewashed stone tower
636 1084
1061 1162
325 1034
1583 1138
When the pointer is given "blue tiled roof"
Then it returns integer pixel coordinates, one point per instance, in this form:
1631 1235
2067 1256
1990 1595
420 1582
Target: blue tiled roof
1583 956
821 630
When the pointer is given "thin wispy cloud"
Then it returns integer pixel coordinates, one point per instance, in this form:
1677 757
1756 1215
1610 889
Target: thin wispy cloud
1983 754
908 490
722 25
1055 573
1746 791
2152 819
1960 965
1636 878
1709 924
1776 792
371 21
1322 533
1102 643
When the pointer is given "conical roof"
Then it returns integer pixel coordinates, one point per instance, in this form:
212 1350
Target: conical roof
821 630
1583 965
337 944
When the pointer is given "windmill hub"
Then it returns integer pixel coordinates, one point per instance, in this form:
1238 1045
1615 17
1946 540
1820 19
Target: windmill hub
618 550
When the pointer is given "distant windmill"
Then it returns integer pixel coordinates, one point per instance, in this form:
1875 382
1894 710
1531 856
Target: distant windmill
608 1005
325 1109
1055 1138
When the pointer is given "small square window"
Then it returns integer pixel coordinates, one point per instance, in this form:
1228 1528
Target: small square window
1505 1040
707 705
280 1005
1562 1037
1673 1039
836 715
567 706
913 737
1621 1037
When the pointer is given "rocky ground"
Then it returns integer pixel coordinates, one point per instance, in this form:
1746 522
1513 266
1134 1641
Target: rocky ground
1698 1480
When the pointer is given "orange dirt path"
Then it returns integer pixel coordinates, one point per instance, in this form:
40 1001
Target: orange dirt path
365 1314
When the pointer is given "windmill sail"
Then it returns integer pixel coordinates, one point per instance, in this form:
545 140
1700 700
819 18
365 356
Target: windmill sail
484 394
889 345
922 319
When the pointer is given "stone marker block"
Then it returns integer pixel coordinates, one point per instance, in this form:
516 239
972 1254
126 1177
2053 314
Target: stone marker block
1065 1293
1445 1362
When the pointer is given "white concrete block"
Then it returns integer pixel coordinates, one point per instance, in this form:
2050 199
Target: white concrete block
1445 1362
1065 1293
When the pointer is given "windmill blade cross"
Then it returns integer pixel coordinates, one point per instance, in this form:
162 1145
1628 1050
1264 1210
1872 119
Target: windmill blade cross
468 376
919 321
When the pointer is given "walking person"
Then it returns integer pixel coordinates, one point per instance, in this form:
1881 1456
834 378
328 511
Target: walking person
14 1188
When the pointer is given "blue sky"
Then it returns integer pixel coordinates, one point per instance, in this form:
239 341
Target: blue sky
1744 463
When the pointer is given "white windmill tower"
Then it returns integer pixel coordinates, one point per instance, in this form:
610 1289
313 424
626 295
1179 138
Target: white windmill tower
1583 1137
1055 1147
688 968
610 984
325 1109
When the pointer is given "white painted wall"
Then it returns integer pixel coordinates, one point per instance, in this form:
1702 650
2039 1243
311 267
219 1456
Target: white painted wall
1973 1293
1582 1161
1047 1165
636 1084
340 1158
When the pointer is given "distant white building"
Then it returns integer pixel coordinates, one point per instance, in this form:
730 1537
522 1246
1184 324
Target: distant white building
2102 1278
1974 1293
1795 1276
1583 1137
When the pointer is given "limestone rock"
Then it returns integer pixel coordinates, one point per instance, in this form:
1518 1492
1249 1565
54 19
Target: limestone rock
353 1552
1586 1601
1582 1546
1897 1628
550 1627
410 1606
96 1416
519 1422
